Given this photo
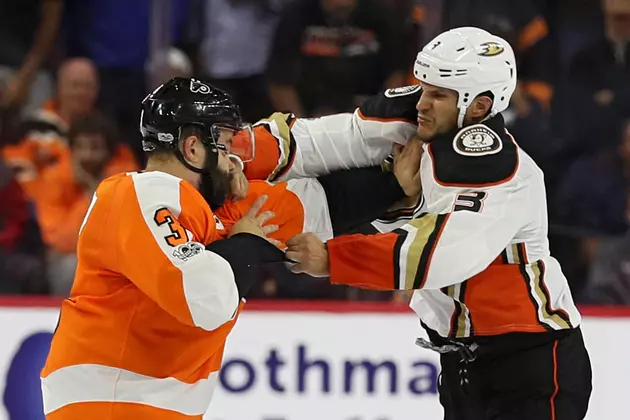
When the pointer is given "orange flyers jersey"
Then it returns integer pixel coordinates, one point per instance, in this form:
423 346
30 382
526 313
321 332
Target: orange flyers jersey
143 332
477 253
299 205
287 147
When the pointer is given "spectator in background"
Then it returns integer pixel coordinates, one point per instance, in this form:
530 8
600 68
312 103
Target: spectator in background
68 188
235 49
590 202
592 194
19 272
328 54
609 276
120 37
600 75
28 30
43 139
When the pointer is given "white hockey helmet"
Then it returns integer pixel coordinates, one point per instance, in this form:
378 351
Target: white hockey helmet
469 61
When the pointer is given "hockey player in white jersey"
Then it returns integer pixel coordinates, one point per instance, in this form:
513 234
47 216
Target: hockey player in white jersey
494 302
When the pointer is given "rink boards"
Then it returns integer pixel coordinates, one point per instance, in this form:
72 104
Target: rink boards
308 361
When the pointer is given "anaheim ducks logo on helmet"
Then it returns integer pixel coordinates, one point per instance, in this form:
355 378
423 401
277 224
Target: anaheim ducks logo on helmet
197 86
491 49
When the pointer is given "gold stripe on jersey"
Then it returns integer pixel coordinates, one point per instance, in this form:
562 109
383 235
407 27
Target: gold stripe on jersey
515 257
464 322
283 123
540 290
460 320
417 257
515 254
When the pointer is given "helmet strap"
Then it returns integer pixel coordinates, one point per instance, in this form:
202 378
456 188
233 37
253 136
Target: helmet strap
461 116
188 166
208 144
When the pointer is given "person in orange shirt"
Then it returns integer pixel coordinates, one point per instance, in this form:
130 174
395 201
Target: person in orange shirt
43 137
161 280
67 189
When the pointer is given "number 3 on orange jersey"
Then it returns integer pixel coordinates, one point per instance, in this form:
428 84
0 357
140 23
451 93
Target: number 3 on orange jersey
178 236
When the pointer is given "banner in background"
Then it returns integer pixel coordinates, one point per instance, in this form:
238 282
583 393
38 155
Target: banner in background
311 365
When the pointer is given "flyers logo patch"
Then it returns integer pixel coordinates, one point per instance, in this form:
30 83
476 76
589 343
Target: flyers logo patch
490 49
198 87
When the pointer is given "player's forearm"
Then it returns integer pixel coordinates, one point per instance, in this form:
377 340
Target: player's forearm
358 196
248 255
363 261
431 252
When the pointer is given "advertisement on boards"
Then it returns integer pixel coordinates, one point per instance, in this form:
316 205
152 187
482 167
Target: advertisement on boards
285 365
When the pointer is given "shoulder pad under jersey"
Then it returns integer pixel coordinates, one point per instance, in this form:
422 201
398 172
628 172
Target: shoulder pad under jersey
397 104
481 154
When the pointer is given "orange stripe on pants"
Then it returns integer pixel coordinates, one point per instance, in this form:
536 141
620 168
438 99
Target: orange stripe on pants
555 381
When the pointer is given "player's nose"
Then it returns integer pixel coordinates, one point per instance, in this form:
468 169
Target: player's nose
423 104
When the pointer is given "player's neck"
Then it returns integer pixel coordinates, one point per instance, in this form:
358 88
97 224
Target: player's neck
174 168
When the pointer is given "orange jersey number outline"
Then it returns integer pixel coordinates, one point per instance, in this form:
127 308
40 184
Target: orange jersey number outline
178 236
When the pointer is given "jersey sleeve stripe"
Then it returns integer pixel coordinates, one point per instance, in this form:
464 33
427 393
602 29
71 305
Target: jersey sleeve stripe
532 274
522 253
399 263
464 321
427 250
560 317
530 282
461 322
416 249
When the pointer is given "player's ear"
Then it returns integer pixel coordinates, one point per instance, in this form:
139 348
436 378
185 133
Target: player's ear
191 148
480 108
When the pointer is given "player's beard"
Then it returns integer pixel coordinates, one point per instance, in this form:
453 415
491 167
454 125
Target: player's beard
214 185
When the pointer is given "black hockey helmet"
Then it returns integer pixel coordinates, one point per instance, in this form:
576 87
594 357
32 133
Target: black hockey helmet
182 102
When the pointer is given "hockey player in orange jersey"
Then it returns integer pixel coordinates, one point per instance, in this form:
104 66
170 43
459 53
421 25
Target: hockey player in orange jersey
160 279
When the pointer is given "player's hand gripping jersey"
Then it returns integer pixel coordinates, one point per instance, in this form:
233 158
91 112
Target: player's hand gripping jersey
478 250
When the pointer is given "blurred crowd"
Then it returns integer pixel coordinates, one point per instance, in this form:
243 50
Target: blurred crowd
73 74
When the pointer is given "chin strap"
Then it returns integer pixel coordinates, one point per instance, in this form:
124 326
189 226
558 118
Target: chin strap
461 116
180 157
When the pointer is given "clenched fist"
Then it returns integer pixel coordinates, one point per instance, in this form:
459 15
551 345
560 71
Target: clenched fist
310 255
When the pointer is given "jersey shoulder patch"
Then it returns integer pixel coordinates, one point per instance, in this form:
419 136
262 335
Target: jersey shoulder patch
477 140
477 155
402 91
397 104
